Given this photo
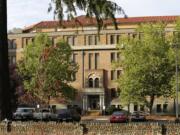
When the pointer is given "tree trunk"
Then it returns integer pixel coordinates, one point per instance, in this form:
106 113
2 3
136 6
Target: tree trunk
151 103
5 95
128 108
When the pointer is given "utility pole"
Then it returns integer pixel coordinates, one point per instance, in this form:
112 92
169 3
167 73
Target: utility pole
5 94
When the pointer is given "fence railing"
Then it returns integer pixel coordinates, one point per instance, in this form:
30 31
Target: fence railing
53 128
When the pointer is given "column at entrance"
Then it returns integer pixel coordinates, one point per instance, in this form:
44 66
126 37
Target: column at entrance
85 103
101 101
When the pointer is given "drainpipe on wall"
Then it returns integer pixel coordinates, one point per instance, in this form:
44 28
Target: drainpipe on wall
83 86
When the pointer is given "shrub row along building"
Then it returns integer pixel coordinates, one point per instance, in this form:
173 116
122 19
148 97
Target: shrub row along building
95 79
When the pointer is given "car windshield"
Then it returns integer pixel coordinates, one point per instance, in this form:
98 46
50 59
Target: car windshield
24 110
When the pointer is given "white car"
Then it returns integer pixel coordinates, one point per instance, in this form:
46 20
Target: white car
42 114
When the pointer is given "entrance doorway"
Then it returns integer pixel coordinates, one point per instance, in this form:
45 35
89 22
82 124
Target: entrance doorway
94 103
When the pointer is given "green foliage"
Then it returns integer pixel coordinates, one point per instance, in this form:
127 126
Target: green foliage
101 9
112 109
30 62
147 63
47 69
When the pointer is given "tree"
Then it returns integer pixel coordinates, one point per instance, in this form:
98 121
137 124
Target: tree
101 9
15 85
5 95
148 67
47 69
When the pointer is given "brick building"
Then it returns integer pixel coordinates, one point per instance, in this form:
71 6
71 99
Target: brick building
95 79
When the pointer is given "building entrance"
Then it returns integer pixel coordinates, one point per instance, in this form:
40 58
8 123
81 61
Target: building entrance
94 102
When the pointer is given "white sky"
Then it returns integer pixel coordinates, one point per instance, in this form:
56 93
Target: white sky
23 13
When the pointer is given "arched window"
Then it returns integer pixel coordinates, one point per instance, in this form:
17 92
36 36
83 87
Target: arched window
90 82
96 83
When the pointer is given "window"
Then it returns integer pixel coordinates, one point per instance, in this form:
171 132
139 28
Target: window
118 73
112 39
158 108
70 40
118 56
96 83
112 74
27 41
95 40
13 42
112 56
117 39
90 83
96 60
132 35
74 57
113 93
90 60
165 108
90 40
135 107
9 44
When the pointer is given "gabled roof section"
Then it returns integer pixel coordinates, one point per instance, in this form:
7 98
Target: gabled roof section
87 21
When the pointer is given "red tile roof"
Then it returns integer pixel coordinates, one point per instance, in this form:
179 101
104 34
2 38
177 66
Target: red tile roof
85 21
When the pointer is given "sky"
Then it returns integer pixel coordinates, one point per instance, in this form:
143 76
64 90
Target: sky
22 13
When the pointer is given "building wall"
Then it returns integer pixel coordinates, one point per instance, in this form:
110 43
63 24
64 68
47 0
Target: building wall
99 45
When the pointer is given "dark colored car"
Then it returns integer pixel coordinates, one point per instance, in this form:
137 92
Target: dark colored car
138 116
23 113
68 115
118 116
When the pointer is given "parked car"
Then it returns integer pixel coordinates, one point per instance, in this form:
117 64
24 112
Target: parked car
23 113
42 114
138 116
68 115
119 116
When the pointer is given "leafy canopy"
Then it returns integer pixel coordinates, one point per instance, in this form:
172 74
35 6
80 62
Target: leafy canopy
147 65
47 69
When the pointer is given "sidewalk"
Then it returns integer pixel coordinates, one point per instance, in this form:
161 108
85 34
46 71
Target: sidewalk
159 117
